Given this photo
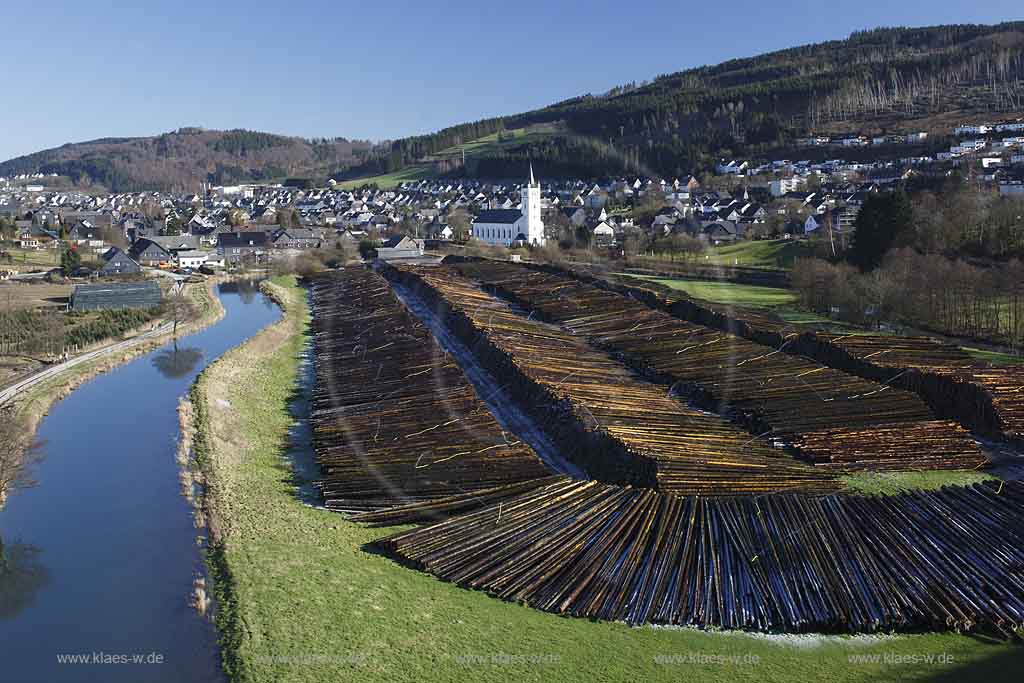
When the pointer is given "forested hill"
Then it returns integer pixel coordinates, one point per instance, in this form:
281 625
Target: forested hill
887 79
883 80
188 157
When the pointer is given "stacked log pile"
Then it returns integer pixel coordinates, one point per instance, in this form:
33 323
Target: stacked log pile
829 415
986 400
394 419
1005 385
617 427
942 560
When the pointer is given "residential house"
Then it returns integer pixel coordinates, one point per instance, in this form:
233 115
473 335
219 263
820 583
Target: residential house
148 252
191 259
117 262
296 238
721 232
603 234
575 214
237 247
400 247
731 167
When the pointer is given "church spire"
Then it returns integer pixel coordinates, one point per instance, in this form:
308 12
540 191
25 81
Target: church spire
532 182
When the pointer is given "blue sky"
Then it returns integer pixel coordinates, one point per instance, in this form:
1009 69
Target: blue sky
78 71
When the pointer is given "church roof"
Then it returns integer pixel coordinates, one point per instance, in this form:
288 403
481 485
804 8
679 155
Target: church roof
499 216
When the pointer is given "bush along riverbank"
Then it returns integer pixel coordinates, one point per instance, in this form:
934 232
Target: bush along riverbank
302 599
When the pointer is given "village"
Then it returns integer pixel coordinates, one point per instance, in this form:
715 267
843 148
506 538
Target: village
230 226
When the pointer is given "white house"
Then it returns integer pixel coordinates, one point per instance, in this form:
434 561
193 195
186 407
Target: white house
505 226
786 185
731 167
604 233
191 259
972 130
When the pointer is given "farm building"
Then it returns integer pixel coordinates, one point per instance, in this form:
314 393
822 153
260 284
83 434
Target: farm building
116 295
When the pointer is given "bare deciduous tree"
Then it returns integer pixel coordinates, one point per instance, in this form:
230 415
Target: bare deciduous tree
19 455
179 308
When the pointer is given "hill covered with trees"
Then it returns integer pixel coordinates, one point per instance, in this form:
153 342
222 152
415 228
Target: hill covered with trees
188 157
882 80
877 81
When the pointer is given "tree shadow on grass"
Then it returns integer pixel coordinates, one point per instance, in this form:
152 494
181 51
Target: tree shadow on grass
1002 665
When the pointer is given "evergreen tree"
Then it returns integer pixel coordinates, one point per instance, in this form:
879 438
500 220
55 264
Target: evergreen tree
70 260
885 221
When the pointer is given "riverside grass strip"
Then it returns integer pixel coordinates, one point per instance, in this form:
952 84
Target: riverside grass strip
936 560
395 420
986 400
617 427
831 417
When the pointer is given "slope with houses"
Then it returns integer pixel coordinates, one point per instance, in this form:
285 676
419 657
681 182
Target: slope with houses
227 225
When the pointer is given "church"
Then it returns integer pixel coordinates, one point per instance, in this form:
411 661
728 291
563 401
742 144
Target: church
508 226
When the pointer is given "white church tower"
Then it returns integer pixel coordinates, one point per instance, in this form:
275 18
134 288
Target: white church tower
531 211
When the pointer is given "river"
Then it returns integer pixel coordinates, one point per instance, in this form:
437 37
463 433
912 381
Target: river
101 555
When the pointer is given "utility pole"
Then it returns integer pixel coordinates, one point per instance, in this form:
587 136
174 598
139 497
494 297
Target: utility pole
831 239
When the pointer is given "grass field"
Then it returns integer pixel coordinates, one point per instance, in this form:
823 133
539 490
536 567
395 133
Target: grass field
994 356
890 483
308 602
31 259
498 141
758 253
727 292
408 174
16 295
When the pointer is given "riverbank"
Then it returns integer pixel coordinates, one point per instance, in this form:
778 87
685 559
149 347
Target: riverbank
33 404
108 525
302 599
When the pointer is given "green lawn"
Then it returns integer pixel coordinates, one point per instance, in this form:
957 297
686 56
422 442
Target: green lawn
890 483
727 292
994 357
311 603
758 253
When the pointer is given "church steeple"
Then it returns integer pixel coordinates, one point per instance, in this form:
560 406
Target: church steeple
534 225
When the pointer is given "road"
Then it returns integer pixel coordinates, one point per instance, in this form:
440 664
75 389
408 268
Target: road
9 393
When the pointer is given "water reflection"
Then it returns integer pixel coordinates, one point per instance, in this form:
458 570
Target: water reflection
21 577
175 363
245 289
